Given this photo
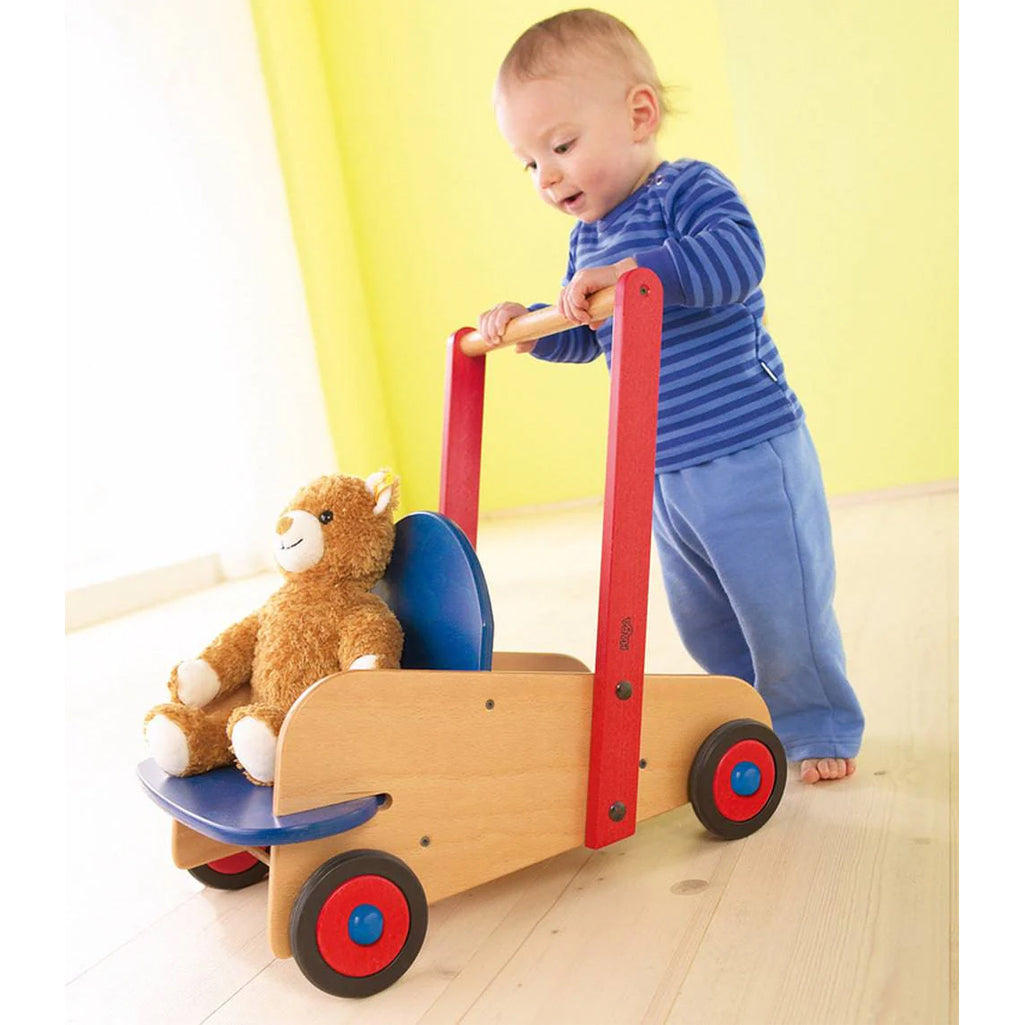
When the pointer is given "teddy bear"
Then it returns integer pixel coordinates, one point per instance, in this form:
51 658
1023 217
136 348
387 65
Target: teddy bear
332 545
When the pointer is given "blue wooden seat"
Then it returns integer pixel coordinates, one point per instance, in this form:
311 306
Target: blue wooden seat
435 587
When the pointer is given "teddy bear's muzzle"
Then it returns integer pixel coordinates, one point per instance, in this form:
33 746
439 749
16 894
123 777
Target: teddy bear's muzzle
300 543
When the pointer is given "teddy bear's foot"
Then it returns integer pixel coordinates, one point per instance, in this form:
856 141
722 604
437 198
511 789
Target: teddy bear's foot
184 741
168 745
253 735
198 682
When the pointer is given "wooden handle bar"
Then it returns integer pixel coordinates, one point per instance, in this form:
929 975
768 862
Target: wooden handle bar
538 323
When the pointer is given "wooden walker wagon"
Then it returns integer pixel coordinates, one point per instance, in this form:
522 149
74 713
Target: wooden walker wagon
398 788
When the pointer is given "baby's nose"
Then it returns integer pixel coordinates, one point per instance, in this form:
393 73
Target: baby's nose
283 525
550 176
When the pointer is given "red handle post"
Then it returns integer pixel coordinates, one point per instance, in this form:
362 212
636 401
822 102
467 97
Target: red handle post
462 429
626 551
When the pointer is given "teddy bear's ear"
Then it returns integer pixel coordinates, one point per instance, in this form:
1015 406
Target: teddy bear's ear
384 486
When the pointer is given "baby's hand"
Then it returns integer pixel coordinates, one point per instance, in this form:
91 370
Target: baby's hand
492 324
574 300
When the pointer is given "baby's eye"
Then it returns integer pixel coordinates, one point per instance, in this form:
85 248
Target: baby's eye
564 147
529 166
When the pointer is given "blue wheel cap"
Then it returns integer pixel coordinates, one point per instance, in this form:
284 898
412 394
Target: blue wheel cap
745 779
366 923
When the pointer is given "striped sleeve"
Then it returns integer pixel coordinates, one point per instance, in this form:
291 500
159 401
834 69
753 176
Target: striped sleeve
578 344
713 255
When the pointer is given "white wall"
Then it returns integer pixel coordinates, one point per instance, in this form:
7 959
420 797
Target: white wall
194 404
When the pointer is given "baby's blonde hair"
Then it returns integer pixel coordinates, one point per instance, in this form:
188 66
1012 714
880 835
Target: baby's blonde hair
539 52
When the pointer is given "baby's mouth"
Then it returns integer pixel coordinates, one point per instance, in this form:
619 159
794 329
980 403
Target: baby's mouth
572 201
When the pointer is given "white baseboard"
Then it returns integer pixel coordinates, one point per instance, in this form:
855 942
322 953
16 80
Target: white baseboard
94 603
898 491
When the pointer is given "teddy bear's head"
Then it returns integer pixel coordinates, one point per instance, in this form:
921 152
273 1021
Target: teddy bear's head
339 527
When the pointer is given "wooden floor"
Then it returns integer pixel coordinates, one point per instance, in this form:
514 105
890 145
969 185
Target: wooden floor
842 909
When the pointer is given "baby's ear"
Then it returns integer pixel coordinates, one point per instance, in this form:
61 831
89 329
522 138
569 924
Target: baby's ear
384 486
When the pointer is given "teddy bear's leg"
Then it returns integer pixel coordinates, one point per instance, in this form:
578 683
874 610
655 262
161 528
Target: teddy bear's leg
184 741
252 732
223 667
371 641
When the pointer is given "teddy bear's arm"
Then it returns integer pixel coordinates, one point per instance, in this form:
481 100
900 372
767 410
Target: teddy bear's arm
223 666
371 638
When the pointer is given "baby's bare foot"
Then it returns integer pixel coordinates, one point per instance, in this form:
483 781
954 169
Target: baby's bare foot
814 770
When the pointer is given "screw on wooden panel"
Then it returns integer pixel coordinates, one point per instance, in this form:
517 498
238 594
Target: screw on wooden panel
425 841
624 690
489 704
617 811
643 763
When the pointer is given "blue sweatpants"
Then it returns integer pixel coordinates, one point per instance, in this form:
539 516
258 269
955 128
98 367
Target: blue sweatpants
747 559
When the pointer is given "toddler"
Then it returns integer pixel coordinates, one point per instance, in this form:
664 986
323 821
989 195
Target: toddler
740 518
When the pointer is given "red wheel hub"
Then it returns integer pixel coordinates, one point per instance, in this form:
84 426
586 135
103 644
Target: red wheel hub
233 864
739 807
337 947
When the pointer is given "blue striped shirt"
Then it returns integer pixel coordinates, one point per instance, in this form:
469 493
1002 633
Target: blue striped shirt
721 385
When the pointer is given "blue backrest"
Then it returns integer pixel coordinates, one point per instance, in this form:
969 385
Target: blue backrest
436 588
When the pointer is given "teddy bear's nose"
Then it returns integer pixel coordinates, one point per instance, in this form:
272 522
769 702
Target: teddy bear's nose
283 524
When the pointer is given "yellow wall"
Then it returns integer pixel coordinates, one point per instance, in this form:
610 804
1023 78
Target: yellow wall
332 268
411 216
846 118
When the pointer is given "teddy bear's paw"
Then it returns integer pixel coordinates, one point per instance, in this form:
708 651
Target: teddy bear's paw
255 746
198 683
366 662
168 745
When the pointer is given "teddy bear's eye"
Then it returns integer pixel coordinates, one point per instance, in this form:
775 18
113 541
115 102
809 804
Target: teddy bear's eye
326 516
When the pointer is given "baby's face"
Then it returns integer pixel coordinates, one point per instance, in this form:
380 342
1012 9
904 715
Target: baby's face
576 136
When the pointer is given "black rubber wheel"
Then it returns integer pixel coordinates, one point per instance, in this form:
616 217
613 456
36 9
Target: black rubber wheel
358 923
235 872
738 778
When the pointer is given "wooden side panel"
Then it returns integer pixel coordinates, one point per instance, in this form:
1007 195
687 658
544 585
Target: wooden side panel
476 792
455 741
